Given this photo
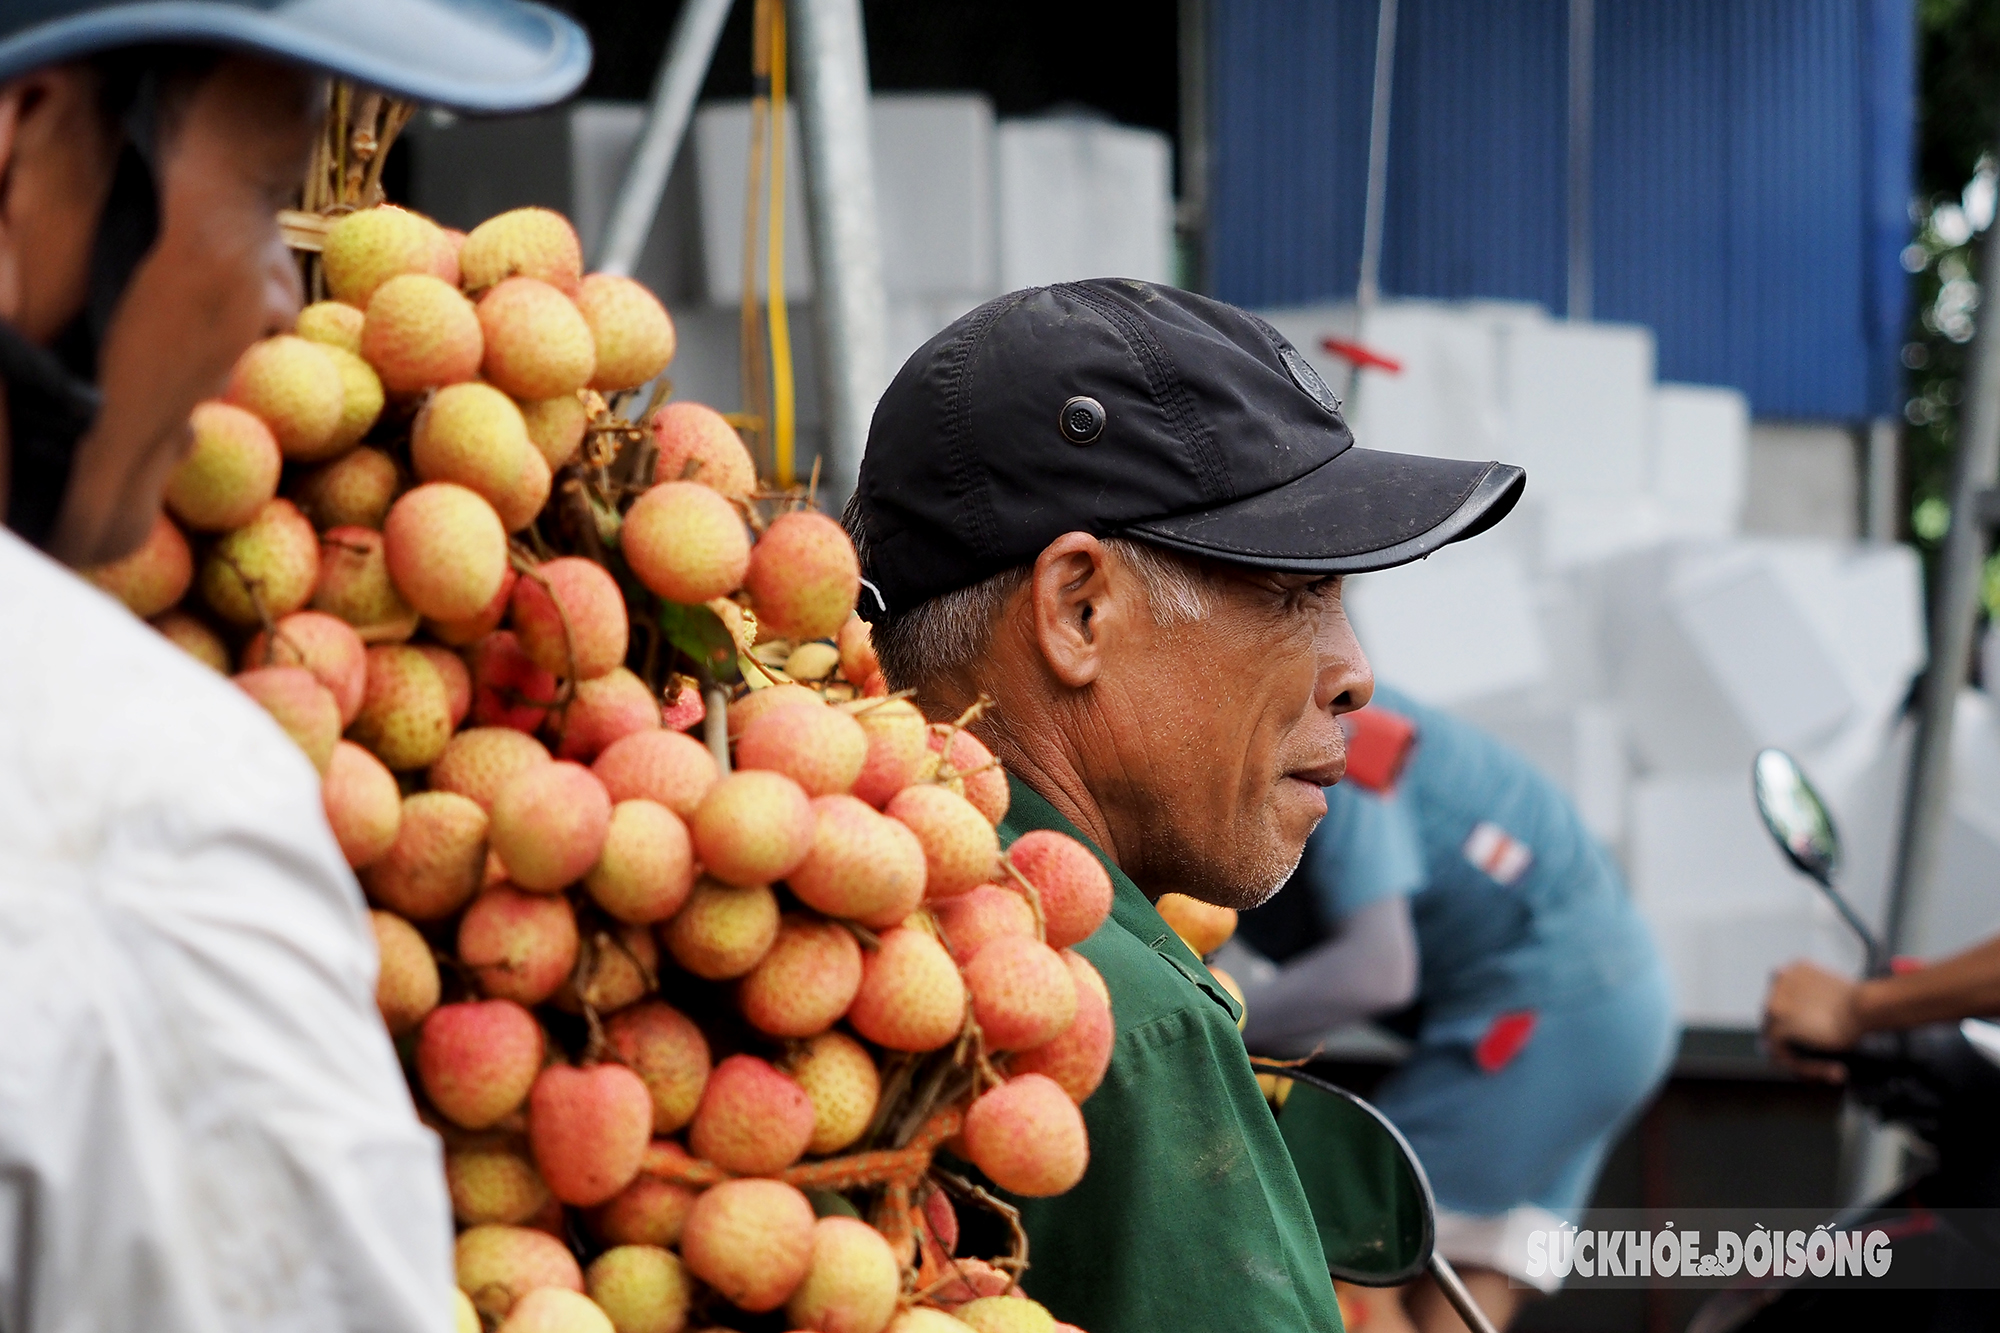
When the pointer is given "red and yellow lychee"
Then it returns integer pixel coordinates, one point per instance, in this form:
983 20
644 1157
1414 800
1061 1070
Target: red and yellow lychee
668 1052
912 997
537 344
437 860
229 474
633 334
420 333
294 388
685 542
696 444
446 550
155 576
803 576
265 568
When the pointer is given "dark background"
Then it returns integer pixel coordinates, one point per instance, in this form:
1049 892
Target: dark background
1028 57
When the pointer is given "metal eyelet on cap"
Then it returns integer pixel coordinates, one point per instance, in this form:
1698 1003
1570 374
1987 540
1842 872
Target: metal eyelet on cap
1081 420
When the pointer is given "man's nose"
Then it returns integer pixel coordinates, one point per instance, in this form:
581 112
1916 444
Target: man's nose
1346 682
283 292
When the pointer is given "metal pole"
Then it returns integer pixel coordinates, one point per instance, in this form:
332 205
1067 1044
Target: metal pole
1954 608
850 306
689 52
1885 490
1375 202
1582 51
1368 288
1454 1291
1191 217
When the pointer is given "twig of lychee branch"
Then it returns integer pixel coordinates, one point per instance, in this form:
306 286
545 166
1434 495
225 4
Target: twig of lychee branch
892 1219
1031 893
901 1069
874 704
598 1045
764 669
1017 1263
253 589
883 1166
528 568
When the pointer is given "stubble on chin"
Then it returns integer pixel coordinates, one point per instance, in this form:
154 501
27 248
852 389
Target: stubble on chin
1243 877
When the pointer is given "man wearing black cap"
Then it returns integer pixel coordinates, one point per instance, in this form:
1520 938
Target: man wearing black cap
1123 512
202 1121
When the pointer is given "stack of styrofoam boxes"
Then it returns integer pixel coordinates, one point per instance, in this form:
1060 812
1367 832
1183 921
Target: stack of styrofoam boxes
1082 197
969 208
1620 633
1727 647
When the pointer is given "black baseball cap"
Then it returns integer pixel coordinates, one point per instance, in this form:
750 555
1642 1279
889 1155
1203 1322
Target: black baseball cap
470 55
1128 409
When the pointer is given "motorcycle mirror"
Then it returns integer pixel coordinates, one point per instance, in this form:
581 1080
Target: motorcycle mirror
1371 1201
1802 826
1795 815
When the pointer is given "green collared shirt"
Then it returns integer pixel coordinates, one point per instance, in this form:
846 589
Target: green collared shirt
1191 1216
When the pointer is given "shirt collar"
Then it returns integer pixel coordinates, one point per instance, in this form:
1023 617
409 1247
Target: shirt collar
1131 910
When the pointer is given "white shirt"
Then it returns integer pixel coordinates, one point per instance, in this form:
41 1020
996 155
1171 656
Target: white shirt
202 1121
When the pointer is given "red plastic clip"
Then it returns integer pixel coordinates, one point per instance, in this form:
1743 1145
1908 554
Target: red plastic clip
1365 357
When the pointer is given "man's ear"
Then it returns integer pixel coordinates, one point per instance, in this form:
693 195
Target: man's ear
1081 598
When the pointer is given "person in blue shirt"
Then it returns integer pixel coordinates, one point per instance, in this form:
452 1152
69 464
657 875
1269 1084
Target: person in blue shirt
1465 889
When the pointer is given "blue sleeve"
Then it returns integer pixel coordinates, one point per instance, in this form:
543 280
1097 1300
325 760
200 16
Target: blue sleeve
1366 849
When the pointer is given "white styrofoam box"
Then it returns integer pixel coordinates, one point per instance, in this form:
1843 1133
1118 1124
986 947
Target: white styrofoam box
1082 197
1445 399
1717 649
1578 403
1456 627
1577 530
601 136
1758 646
1700 454
934 185
934 181
1865 600
1725 905
721 143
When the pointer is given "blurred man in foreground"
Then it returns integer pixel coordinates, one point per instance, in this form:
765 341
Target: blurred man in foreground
1451 875
202 1122
1123 512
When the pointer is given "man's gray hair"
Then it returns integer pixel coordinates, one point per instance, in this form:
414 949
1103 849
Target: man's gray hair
947 634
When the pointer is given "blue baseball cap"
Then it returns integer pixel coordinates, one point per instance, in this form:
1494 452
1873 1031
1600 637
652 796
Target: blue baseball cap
468 55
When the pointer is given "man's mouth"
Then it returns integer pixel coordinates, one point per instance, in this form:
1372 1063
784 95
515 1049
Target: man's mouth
1310 788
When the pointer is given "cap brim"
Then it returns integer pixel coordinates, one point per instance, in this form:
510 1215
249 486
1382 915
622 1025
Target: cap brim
469 55
1361 510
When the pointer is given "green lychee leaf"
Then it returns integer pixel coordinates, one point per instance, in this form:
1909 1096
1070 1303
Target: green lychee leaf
826 1203
700 633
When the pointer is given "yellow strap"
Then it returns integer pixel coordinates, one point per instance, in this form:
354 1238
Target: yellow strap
782 399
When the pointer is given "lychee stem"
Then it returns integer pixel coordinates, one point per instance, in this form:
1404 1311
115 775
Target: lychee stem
1031 893
528 568
873 704
959 1185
